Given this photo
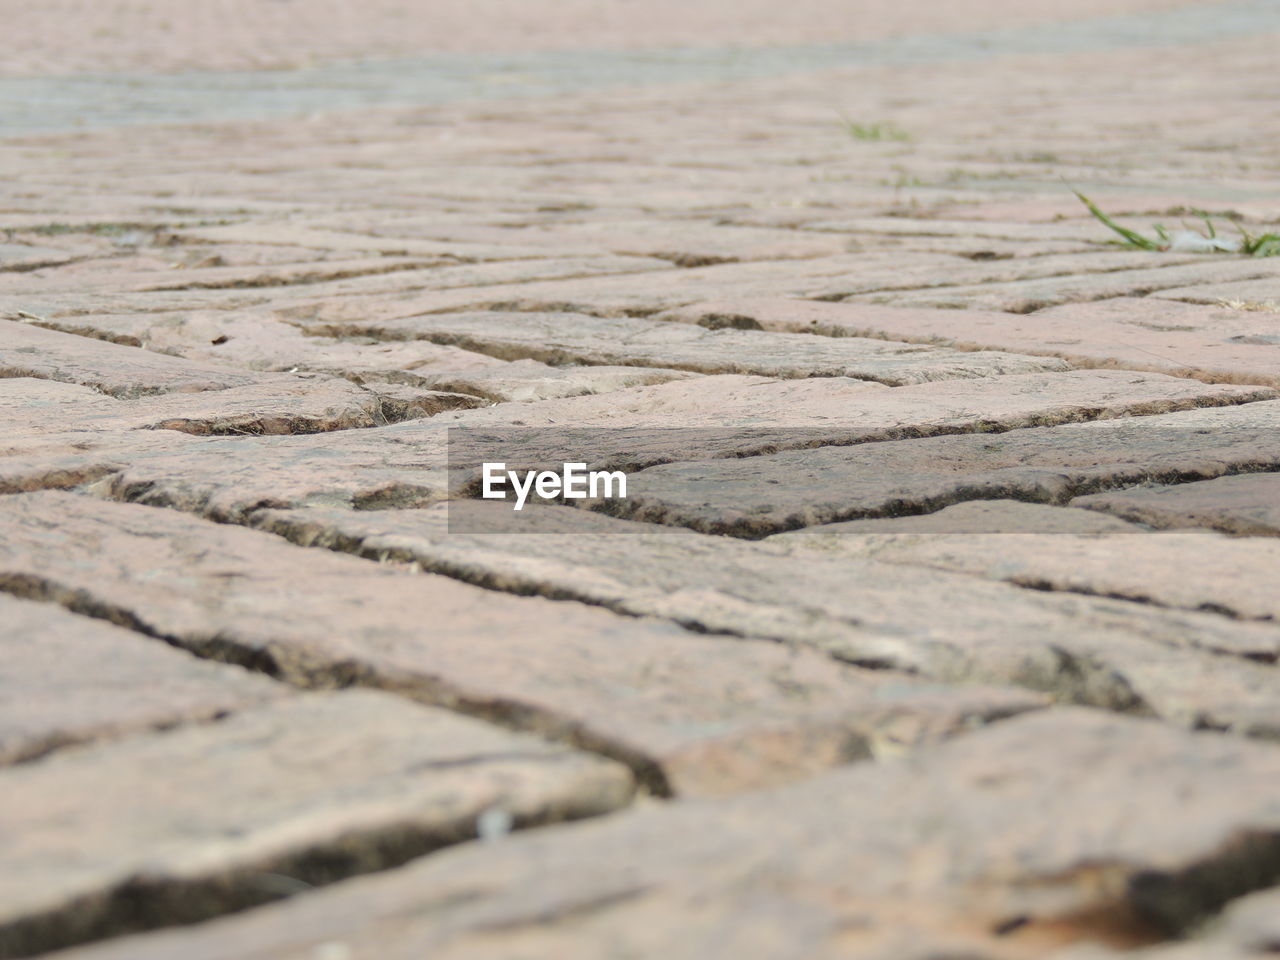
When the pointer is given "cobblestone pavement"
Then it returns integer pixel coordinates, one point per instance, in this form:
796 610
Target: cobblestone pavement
939 618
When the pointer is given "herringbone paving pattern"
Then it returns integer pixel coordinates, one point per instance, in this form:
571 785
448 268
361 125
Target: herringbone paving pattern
938 619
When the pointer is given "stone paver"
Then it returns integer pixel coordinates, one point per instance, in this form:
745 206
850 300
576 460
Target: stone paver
1218 344
1081 552
561 338
522 380
68 679
813 275
986 517
1025 296
1246 505
115 370
179 827
783 491
827 278
1048 830
1261 294
692 714
1193 668
404 465
284 405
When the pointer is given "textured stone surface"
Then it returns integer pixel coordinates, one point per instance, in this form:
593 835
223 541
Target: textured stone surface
1192 668
1044 831
281 405
180 826
274 224
761 495
1192 571
120 371
522 380
573 338
980 517
1262 293
693 714
1215 344
1246 505
68 679
1024 296
403 465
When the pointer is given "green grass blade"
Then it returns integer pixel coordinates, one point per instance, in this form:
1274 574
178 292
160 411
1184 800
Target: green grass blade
1131 236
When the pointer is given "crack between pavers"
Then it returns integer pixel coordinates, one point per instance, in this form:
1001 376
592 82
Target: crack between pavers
756 528
147 902
1169 367
314 277
307 671
1078 678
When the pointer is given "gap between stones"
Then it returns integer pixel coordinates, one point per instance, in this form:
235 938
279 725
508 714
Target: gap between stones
1077 673
753 530
721 321
308 674
133 908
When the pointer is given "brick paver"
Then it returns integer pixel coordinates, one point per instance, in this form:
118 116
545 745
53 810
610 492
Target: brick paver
939 616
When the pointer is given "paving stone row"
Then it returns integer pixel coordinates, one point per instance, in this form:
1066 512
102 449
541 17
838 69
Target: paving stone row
688 713
573 338
1066 548
1214 344
70 680
1059 827
1198 669
209 819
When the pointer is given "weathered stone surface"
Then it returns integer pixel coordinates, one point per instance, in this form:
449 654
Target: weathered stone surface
1246 505
1064 827
67 679
994 517
622 296
281 405
1138 334
1261 293
845 410
28 405
255 341
826 278
1254 922
386 245
177 827
31 351
24 257
1194 571
1024 296
523 380
1154 116
1079 229
761 495
684 243
403 294
1189 667
561 338
240 277
404 465
304 282
690 713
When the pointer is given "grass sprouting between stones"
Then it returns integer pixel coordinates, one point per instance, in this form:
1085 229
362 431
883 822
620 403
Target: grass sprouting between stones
1191 241
874 131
